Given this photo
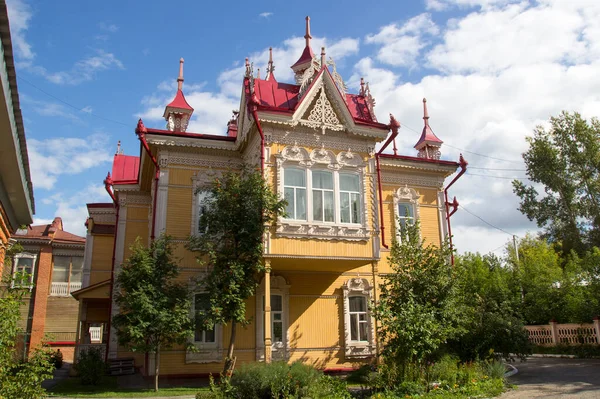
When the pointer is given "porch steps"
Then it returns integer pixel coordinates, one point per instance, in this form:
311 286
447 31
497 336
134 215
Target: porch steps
122 366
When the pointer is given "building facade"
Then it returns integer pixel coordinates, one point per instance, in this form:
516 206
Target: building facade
52 259
317 145
16 190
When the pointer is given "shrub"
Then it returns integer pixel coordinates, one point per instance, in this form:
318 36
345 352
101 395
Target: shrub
495 369
446 370
91 366
585 351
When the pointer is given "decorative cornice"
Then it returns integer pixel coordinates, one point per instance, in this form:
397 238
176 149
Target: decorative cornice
414 180
322 231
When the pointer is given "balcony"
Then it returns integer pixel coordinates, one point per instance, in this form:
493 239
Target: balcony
64 289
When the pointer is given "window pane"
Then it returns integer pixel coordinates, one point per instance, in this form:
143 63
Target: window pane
358 304
328 206
345 207
76 269
288 194
277 316
300 204
322 179
317 205
277 331
202 302
60 273
353 327
209 335
364 336
405 210
349 182
24 265
356 208
276 305
294 177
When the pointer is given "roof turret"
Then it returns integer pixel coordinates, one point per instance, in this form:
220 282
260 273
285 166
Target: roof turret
178 112
429 144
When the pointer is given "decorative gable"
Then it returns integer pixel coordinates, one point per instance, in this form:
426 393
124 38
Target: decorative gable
322 115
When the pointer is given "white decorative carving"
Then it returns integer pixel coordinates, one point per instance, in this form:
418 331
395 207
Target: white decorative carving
415 181
321 232
429 152
322 115
405 194
358 349
126 199
337 78
350 159
322 156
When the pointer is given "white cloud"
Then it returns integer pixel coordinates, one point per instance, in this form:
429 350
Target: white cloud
497 73
83 70
19 14
265 14
71 207
112 28
440 5
51 109
58 156
401 45
87 109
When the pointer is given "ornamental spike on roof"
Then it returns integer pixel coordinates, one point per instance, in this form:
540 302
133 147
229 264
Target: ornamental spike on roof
307 55
270 67
178 112
428 144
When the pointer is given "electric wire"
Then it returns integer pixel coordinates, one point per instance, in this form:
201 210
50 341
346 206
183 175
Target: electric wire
461 207
498 177
79 109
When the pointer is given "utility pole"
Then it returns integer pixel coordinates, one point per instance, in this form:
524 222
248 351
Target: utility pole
516 247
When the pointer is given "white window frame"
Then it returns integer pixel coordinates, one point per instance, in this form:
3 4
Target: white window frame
306 194
24 255
199 180
203 342
349 193
405 195
356 315
334 191
320 159
356 348
279 350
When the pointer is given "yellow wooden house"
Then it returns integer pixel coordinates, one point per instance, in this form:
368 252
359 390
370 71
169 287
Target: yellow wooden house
324 151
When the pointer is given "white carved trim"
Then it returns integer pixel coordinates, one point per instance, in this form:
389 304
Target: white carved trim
161 202
205 352
193 142
279 286
413 180
32 278
358 349
441 205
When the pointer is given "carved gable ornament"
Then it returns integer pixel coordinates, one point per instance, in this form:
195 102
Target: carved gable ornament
322 115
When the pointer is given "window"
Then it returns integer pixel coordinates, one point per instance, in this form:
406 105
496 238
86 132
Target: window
322 195
23 270
294 189
67 273
276 318
406 215
350 198
359 323
358 326
201 205
201 335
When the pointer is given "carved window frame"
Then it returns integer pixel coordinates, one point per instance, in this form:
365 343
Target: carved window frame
199 180
280 351
358 349
405 195
16 258
205 352
321 159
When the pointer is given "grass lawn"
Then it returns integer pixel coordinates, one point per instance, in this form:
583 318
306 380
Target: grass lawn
108 388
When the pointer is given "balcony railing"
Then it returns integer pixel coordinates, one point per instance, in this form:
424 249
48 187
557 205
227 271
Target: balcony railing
64 289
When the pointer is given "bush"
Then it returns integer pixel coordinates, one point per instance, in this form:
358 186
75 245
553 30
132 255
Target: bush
446 370
585 351
495 369
91 366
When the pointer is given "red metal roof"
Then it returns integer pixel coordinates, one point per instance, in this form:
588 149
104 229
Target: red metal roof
307 55
427 137
125 169
52 231
180 102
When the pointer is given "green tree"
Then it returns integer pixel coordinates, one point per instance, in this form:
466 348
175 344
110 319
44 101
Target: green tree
419 306
18 379
154 308
494 302
565 160
238 211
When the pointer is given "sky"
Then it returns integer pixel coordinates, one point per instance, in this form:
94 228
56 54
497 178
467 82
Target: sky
491 70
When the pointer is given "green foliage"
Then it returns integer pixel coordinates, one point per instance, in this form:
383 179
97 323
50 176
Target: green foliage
495 324
19 379
420 306
280 380
565 159
154 308
90 366
584 351
238 211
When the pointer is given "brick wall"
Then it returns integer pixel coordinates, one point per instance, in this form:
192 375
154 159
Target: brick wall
40 300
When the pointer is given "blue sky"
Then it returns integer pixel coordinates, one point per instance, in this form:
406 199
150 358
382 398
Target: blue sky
491 69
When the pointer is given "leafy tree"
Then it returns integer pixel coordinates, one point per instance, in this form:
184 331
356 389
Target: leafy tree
494 302
154 308
19 379
565 160
238 211
419 305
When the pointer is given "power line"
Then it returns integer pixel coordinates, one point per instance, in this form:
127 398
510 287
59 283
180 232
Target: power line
79 109
509 169
467 151
461 207
499 177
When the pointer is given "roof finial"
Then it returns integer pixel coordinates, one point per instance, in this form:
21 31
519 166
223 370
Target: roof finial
257 73
362 87
425 113
180 78
322 57
307 36
119 151
270 67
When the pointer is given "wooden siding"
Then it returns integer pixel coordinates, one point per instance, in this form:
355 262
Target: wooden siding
61 315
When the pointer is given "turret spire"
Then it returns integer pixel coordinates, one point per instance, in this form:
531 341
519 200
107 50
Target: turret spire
322 57
429 144
180 77
270 66
307 35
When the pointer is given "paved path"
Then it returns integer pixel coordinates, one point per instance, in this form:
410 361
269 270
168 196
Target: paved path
556 378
